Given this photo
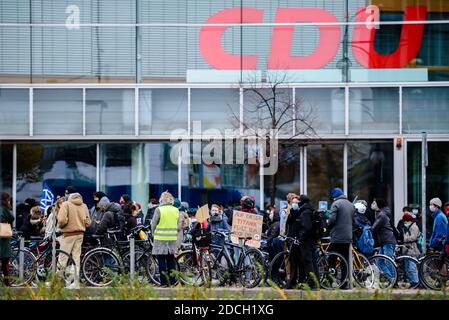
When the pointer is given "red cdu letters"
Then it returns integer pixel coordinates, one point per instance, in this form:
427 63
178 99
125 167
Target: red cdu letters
281 44
408 48
329 40
210 39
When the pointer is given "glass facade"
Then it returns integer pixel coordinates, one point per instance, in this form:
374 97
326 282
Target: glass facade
58 112
174 44
426 109
14 112
94 105
437 173
324 170
58 165
370 171
110 112
6 160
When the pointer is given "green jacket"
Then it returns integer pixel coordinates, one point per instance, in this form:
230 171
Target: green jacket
5 244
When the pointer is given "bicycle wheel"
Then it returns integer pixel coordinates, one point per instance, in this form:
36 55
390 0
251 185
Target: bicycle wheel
433 271
220 267
140 265
206 265
29 270
191 272
332 270
251 268
385 271
363 272
408 277
152 269
100 267
278 269
64 263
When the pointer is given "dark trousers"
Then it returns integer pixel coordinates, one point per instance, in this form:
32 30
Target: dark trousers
343 249
5 271
303 265
167 266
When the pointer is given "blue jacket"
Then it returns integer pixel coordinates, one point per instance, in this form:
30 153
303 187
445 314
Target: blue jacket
439 230
219 226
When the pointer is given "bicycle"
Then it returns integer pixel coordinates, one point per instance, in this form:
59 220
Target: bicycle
38 259
249 268
102 264
362 270
433 270
385 270
195 263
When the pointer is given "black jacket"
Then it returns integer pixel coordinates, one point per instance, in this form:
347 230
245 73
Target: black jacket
300 223
109 219
149 215
383 229
274 228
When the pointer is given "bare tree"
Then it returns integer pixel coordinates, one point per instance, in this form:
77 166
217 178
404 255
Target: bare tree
272 107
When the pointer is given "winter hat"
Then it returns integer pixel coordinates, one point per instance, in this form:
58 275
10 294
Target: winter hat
407 216
104 201
436 202
177 203
336 192
361 208
70 190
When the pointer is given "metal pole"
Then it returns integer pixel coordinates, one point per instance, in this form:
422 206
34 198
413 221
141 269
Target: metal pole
424 163
53 248
22 248
350 266
132 253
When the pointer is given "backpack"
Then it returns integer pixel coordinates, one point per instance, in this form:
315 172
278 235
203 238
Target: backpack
201 236
420 242
366 241
119 220
319 224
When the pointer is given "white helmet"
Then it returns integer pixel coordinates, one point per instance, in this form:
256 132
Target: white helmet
361 208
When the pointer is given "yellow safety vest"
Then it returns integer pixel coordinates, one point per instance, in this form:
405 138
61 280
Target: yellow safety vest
167 228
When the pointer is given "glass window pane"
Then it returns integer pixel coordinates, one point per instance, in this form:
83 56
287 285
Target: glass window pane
110 111
162 110
324 171
225 183
425 109
215 108
53 104
59 165
437 173
324 109
370 171
374 110
6 167
143 171
263 106
14 112
287 177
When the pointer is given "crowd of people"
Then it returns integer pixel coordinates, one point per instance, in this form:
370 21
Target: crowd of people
73 223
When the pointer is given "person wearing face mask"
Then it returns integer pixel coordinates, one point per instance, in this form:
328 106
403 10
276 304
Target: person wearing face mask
218 222
410 232
300 226
439 229
380 205
340 225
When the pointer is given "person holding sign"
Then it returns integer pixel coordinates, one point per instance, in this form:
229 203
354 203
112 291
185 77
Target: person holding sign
299 225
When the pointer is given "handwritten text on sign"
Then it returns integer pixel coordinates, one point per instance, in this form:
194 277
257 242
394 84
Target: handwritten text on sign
247 225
